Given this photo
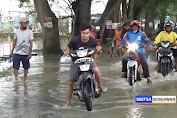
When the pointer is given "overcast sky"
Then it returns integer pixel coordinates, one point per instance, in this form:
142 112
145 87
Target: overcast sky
98 6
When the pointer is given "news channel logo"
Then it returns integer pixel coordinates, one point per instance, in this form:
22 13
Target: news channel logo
155 99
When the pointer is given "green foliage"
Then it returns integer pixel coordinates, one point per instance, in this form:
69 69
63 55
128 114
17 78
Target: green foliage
65 35
23 1
158 8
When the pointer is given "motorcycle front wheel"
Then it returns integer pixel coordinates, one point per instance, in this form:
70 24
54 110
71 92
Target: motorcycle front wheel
131 75
87 94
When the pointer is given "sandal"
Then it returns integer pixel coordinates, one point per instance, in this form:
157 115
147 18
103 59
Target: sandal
104 90
149 81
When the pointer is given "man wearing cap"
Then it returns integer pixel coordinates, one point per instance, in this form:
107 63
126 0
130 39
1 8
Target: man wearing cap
22 48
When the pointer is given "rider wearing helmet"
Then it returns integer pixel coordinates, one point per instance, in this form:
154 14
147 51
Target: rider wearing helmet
126 28
135 35
168 35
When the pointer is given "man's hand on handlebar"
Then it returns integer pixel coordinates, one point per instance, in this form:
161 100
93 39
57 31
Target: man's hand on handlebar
66 54
99 49
154 45
145 46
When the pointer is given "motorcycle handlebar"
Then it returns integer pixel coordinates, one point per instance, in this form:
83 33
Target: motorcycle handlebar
170 45
140 46
89 49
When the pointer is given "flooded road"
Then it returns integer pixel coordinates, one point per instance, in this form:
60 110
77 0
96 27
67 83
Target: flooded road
44 94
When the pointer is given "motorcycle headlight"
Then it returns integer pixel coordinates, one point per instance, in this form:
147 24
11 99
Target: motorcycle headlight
165 45
133 46
82 53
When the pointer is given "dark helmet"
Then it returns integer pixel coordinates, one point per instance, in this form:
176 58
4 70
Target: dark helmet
127 22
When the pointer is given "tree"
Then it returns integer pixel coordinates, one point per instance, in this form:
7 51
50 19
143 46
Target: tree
137 11
124 9
116 18
128 9
110 5
131 9
82 10
51 39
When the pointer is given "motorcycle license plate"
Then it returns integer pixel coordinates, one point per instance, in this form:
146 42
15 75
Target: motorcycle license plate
84 60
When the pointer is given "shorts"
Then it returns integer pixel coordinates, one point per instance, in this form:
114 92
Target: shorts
74 71
20 58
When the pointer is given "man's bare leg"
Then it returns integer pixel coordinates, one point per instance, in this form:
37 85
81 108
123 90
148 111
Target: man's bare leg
149 80
118 51
25 75
16 74
69 94
97 73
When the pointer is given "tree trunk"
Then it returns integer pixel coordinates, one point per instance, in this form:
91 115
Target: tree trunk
82 10
136 12
104 17
124 9
115 17
131 9
163 15
149 30
51 40
116 13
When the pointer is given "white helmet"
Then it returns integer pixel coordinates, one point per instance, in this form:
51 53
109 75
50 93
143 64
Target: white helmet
169 23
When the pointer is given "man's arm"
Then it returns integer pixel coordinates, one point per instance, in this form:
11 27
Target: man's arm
114 39
158 38
99 50
124 40
69 47
146 40
13 46
31 44
67 51
175 38
30 49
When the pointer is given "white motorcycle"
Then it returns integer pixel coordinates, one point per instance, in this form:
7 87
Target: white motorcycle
132 64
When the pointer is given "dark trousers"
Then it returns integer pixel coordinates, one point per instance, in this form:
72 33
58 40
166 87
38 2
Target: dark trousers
143 61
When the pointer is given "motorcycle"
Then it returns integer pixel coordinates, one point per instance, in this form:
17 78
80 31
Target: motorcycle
112 47
133 69
165 57
88 88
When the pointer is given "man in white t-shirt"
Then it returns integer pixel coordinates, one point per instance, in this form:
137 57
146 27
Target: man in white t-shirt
22 48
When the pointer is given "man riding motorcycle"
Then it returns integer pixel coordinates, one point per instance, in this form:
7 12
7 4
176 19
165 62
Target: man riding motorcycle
76 43
168 35
135 35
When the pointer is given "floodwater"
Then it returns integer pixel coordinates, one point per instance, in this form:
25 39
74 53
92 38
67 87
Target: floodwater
44 94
